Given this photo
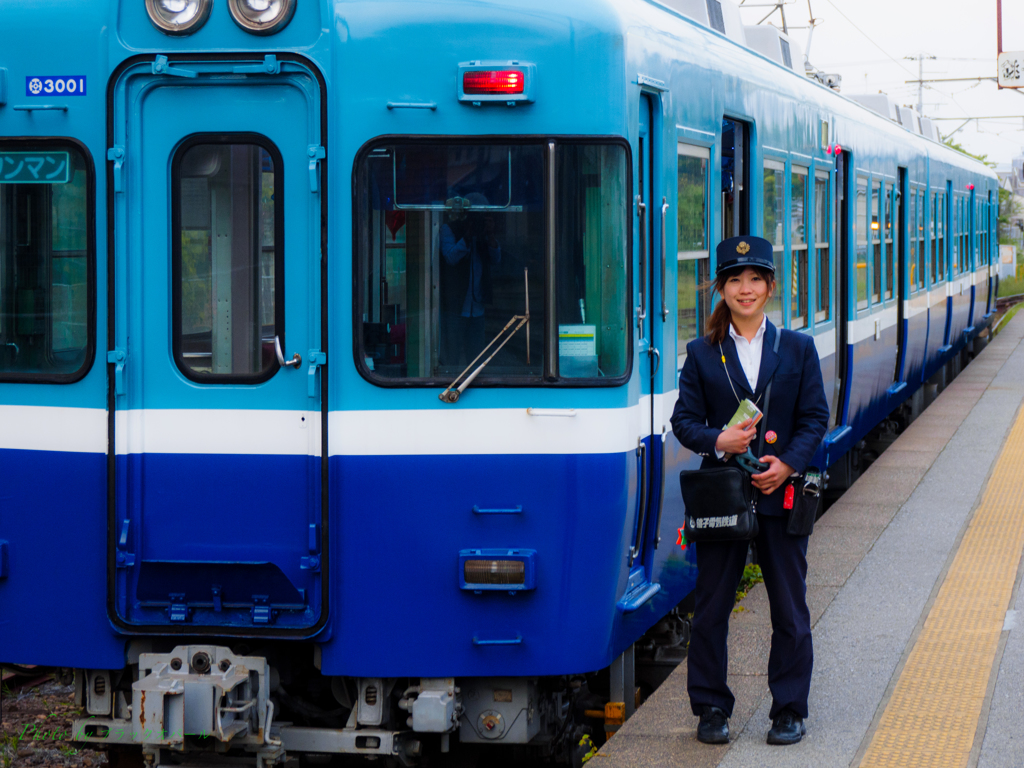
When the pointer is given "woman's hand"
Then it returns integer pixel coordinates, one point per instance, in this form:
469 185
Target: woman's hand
768 481
736 439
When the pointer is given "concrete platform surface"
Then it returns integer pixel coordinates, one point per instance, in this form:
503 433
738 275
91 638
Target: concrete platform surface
876 562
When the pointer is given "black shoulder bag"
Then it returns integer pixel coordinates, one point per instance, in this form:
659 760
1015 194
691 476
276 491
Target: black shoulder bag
721 504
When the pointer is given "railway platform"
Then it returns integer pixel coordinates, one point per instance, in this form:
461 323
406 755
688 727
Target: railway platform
913 587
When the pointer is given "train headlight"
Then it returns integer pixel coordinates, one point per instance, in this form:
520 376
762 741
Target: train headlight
510 570
262 17
178 17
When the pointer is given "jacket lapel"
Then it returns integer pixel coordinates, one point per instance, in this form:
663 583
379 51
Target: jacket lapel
732 365
769 358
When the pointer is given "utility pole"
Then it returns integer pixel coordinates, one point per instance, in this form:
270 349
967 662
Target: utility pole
920 79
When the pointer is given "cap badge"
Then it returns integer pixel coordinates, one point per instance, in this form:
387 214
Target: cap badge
743 248
770 437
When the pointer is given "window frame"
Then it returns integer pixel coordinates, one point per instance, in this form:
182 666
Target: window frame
861 183
701 152
241 137
19 144
484 381
823 174
795 249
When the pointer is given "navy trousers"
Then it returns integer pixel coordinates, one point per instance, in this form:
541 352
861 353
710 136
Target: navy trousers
783 561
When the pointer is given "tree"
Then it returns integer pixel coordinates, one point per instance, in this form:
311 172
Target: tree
959 148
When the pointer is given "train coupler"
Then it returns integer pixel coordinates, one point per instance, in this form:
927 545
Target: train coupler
195 698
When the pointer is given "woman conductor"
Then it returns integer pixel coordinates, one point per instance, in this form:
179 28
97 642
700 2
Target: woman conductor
736 360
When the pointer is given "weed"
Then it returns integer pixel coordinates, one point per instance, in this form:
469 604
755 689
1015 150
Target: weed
751 576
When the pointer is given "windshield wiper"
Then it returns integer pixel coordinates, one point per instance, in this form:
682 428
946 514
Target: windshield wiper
452 393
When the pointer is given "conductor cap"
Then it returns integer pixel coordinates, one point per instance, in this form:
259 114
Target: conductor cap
744 251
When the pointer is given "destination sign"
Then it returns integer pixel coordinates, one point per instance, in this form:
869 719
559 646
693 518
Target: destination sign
34 167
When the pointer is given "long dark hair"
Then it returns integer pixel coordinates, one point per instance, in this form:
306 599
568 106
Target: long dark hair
717 328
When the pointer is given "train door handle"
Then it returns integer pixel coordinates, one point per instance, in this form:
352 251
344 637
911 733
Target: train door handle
641 515
293 363
641 311
664 258
653 352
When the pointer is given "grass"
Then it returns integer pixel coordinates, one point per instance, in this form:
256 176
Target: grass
1011 286
751 576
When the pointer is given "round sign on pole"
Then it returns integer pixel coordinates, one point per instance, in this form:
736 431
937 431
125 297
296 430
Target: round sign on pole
1011 69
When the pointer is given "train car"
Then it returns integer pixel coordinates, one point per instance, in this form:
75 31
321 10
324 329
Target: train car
339 338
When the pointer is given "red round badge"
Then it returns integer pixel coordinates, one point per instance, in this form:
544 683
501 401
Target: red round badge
770 436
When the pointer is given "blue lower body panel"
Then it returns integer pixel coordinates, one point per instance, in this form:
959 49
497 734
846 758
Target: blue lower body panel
53 515
219 540
399 527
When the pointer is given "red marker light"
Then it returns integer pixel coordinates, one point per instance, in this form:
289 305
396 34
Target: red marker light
970 187
838 149
828 150
493 82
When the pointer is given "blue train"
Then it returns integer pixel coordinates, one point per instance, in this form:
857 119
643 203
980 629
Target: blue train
339 338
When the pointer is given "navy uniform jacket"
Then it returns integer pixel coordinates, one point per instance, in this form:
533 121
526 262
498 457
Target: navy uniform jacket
798 412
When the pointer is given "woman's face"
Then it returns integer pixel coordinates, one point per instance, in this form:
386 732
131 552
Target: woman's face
745 293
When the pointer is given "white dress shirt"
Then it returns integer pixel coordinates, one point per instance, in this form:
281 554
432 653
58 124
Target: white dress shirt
749 353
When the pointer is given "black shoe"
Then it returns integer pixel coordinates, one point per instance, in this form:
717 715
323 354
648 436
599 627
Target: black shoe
787 728
713 727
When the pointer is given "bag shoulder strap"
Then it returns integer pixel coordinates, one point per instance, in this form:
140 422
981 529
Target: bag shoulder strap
768 397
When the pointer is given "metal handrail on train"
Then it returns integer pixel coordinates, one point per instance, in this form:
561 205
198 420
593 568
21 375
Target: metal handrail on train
452 393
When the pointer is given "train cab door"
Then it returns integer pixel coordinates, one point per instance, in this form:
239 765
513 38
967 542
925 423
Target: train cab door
217 365
650 215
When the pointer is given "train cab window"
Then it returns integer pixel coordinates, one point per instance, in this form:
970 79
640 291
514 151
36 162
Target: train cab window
891 243
46 262
227 206
591 218
823 263
798 289
692 242
774 197
877 214
452 245
861 240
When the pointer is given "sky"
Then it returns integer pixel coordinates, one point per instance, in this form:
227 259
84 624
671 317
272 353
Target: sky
867 42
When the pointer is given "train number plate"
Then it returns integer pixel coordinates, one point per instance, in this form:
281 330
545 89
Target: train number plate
63 85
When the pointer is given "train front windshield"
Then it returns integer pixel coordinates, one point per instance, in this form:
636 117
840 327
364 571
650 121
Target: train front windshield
452 243
44 261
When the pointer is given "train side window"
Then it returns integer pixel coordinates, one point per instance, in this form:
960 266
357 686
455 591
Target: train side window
861 239
47 261
798 288
912 250
774 197
918 234
823 263
963 229
227 261
937 235
735 154
891 244
955 235
877 212
692 243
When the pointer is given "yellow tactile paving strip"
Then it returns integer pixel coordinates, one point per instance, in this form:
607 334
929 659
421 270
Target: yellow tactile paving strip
932 717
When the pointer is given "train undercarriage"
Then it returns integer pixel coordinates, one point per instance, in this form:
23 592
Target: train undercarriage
202 704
